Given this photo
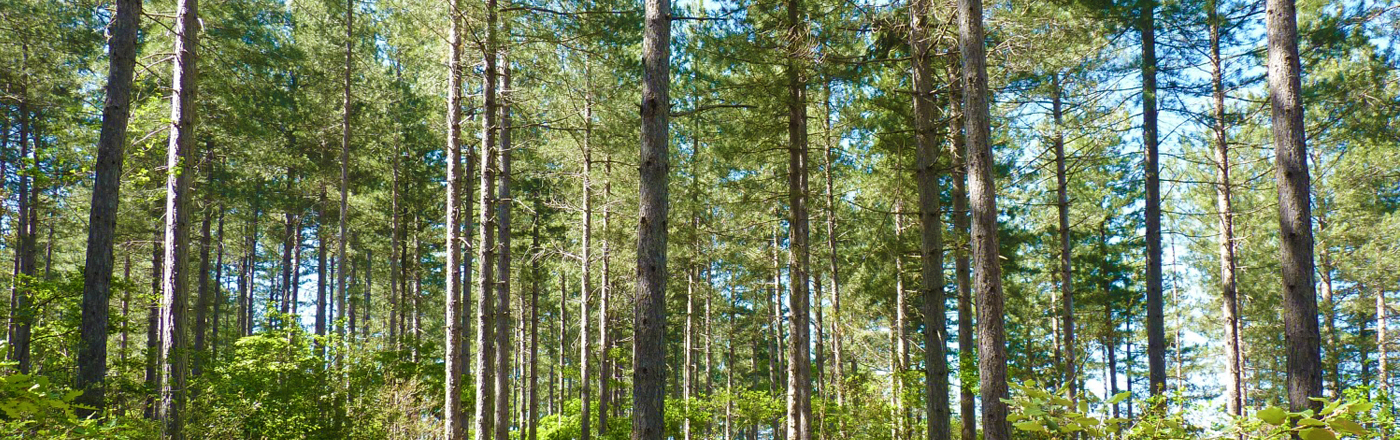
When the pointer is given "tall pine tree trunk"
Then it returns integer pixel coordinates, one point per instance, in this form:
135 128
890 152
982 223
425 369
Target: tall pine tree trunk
1156 330
1066 275
1304 363
1234 365
799 393
991 336
931 231
106 193
180 165
649 342
453 415
503 202
484 421
962 267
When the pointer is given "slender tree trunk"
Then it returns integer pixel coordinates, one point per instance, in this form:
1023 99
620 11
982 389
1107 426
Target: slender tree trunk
962 267
321 252
201 301
532 408
175 279
106 193
503 320
454 417
1382 353
649 347
395 256
153 328
289 233
21 317
605 370
1234 365
930 220
991 336
1156 331
586 278
218 298
484 422
1295 214
1066 274
799 395
341 256
837 352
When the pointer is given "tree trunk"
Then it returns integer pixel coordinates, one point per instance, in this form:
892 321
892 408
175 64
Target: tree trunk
837 352
1382 354
799 394
1234 365
21 319
991 336
201 302
341 257
1066 275
586 277
174 281
503 320
153 328
1156 331
454 425
1295 215
106 193
321 252
218 298
962 267
605 370
649 342
532 408
930 220
484 422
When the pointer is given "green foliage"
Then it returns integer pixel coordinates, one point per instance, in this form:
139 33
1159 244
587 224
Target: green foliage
275 387
31 406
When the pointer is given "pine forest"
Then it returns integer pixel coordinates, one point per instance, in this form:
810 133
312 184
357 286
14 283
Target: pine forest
700 219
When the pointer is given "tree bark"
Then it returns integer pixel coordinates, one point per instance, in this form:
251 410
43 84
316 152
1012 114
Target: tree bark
1066 274
532 408
21 317
799 394
454 424
1156 330
201 302
484 421
930 220
649 342
174 281
218 298
586 276
1234 364
1295 214
991 348
341 256
503 201
106 194
153 328
962 267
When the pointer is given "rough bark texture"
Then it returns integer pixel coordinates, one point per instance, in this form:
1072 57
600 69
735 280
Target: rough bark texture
174 281
1156 331
799 392
454 423
1230 313
586 275
991 335
484 420
962 268
106 192
1066 275
1295 214
931 231
503 201
201 302
532 407
341 257
649 343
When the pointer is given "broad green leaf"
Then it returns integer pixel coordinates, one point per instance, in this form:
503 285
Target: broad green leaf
1309 421
1317 434
1347 426
1272 415
1119 398
1031 427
